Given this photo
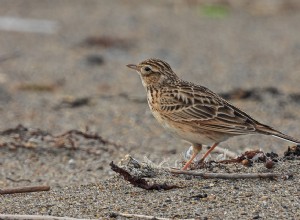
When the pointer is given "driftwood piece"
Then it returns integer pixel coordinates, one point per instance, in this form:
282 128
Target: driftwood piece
36 217
140 182
232 175
138 216
24 189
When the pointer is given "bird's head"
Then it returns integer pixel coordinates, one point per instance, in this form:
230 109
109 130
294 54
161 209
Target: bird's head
154 72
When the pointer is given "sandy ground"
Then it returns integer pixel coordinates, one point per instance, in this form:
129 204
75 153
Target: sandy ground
76 78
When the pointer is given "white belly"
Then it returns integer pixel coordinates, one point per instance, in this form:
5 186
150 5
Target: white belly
186 133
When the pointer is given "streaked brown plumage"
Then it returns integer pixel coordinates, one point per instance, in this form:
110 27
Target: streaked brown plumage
193 112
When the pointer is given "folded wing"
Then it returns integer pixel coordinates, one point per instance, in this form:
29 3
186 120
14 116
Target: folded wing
206 109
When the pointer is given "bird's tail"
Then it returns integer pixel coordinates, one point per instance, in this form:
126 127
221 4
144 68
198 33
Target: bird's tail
270 131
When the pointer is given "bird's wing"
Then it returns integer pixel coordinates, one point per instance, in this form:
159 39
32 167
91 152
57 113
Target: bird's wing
206 109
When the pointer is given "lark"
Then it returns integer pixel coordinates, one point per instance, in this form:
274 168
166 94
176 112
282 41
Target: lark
193 112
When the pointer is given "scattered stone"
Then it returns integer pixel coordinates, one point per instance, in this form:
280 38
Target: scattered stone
269 164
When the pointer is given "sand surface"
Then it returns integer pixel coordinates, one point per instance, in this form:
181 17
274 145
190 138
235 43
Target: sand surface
76 78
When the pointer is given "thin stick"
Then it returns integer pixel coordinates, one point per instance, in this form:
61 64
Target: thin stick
35 217
229 175
140 182
144 216
24 189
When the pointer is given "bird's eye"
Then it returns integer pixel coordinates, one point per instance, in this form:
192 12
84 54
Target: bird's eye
147 69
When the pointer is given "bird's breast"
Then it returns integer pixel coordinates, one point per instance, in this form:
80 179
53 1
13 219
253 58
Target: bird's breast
153 99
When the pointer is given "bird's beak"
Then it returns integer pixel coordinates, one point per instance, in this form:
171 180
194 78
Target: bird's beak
133 66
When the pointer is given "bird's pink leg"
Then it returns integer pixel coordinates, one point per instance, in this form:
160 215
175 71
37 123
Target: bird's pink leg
196 150
208 152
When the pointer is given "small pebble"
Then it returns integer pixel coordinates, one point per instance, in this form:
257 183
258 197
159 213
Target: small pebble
256 217
249 194
72 163
211 197
263 198
269 164
246 162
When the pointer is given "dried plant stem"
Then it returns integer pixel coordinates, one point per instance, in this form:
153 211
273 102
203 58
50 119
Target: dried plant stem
25 189
35 217
228 175
137 216
140 182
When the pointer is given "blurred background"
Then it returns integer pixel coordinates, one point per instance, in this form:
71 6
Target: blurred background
63 66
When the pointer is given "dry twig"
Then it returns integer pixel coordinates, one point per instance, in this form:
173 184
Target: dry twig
140 182
142 216
88 136
231 175
23 137
24 189
35 217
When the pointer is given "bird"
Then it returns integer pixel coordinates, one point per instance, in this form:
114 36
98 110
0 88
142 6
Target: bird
193 112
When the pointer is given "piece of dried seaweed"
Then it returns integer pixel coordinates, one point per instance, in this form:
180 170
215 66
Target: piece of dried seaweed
140 182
